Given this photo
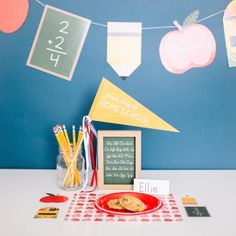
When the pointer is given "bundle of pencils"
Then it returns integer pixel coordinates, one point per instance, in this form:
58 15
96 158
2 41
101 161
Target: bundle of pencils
70 153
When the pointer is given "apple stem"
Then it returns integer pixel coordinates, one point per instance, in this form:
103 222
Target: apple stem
50 194
178 26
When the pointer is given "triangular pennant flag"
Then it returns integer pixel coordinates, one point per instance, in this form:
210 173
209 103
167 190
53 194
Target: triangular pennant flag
112 105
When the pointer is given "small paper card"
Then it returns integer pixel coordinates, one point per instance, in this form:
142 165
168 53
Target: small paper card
58 42
189 200
152 186
197 211
47 213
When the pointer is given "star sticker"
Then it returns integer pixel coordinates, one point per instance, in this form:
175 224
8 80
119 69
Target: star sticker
50 41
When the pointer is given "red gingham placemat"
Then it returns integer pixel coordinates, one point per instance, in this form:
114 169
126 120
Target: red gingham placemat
81 209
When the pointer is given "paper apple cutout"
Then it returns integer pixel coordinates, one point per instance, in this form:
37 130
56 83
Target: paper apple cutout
192 46
53 198
12 14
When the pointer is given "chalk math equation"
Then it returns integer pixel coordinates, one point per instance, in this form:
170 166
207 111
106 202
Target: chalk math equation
55 46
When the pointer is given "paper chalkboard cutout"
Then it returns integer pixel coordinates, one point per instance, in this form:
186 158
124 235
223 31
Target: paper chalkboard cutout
112 105
230 32
197 211
13 14
58 42
124 44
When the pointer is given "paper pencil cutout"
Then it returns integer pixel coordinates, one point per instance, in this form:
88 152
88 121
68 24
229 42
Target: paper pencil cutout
58 42
112 105
230 32
13 14
124 43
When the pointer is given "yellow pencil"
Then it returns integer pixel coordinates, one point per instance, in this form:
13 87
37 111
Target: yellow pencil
60 143
73 136
55 130
63 140
66 135
66 152
73 171
72 176
80 134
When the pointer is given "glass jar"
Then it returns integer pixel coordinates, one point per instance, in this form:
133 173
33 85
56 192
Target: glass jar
70 170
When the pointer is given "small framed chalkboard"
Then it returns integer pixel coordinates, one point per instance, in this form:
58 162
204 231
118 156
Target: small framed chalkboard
119 159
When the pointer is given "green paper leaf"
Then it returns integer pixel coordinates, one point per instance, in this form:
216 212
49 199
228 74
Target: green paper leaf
191 18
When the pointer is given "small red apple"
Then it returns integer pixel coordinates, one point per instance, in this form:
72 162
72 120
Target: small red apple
53 198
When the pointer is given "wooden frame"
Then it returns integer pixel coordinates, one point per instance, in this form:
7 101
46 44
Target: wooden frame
111 133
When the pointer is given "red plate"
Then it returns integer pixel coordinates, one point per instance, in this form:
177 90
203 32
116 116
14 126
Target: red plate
150 201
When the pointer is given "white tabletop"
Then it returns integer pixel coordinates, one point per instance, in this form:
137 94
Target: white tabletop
22 189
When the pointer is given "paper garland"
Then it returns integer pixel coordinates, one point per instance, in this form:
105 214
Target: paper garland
120 48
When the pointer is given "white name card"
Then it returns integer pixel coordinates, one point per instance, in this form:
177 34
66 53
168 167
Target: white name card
152 186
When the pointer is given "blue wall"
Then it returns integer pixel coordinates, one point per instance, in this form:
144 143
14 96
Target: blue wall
199 103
